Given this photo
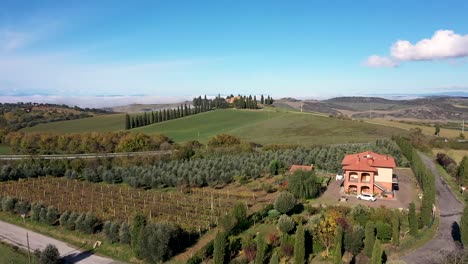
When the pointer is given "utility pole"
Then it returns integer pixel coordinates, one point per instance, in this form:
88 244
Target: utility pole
29 253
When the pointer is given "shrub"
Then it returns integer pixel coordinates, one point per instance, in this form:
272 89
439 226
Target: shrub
63 220
89 223
285 224
285 202
384 231
106 229
275 167
36 211
124 234
22 207
50 255
223 140
287 245
43 215
79 222
377 253
249 247
353 240
51 216
156 242
261 250
71 222
8 204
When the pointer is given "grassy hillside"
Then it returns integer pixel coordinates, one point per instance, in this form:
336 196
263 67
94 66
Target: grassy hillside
102 123
444 132
270 127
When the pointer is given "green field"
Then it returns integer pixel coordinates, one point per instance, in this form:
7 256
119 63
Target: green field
4 149
10 256
268 126
102 123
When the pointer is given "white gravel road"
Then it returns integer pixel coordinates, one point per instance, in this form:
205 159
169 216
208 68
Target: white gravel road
16 235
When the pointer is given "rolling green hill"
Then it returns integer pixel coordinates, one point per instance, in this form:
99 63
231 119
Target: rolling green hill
262 126
102 123
270 127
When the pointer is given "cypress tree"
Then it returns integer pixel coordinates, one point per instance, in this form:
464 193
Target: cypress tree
395 229
262 99
338 245
413 221
139 222
426 207
369 238
299 245
261 250
219 248
464 227
133 123
127 122
377 252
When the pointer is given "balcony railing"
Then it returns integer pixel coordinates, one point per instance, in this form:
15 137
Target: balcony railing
353 180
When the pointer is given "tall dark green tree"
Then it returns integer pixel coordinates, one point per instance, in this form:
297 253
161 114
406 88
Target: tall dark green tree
413 221
464 227
369 238
338 253
261 250
395 229
262 99
299 245
139 222
219 248
377 252
127 122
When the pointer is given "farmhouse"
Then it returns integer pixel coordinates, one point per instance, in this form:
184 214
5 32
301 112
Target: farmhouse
369 172
300 167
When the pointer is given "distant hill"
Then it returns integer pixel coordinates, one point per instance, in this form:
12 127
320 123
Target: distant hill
441 108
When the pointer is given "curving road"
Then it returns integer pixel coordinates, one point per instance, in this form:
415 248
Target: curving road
450 214
16 235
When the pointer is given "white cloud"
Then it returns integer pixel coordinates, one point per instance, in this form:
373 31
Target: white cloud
378 61
444 44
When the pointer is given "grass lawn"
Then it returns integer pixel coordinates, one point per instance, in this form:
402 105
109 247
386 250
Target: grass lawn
9 255
101 123
270 127
4 149
444 132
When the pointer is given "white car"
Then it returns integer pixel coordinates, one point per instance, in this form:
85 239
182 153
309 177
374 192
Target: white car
367 197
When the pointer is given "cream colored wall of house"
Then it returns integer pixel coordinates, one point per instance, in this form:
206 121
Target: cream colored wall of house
384 175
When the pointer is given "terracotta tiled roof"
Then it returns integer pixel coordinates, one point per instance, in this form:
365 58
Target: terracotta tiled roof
301 167
367 161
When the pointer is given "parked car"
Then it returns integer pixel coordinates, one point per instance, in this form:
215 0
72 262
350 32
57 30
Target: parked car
339 177
367 197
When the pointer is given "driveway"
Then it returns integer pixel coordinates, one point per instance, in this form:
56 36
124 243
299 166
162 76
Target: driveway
15 235
450 214
403 197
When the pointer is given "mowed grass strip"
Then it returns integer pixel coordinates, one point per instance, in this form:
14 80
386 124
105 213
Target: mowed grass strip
11 256
101 123
4 149
270 127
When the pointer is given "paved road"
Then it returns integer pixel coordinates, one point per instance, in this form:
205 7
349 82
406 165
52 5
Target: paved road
450 212
86 156
17 236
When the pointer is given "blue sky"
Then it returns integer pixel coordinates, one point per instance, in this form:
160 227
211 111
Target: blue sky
185 48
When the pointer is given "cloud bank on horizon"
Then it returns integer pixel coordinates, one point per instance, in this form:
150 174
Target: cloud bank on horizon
444 44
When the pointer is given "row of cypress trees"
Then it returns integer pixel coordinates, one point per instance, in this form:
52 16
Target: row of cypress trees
424 177
153 117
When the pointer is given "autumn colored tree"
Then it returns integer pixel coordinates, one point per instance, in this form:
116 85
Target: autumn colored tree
324 231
